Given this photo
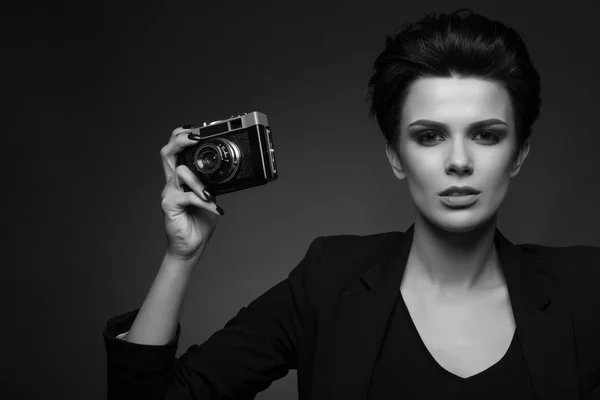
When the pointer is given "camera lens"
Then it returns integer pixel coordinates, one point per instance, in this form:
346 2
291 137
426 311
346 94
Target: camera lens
208 160
217 160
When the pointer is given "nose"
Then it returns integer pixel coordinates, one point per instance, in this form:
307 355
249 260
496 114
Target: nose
459 160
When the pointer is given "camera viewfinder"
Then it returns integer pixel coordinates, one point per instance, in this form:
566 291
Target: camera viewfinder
214 129
235 123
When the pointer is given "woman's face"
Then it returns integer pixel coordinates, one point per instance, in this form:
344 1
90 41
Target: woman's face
454 151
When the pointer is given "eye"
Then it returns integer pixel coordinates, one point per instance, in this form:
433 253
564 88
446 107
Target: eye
426 136
490 135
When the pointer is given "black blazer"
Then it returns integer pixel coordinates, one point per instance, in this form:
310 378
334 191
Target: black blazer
328 317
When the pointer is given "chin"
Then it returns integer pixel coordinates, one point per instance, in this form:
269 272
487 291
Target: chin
458 220
461 227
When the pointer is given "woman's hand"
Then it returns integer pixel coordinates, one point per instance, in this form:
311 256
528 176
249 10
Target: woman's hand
190 217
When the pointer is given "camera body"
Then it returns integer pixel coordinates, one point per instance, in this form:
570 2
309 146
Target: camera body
232 154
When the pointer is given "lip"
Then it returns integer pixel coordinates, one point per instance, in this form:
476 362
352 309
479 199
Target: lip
460 201
466 190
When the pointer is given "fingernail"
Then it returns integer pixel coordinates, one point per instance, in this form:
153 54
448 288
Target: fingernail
207 194
220 210
187 126
193 136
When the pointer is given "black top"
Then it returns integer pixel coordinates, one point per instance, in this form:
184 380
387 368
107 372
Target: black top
406 370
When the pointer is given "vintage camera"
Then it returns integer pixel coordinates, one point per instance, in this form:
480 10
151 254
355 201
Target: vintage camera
232 154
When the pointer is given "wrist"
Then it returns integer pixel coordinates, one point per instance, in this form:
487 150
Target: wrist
182 262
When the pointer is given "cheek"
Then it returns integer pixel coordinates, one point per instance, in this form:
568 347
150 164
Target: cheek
496 185
421 167
497 174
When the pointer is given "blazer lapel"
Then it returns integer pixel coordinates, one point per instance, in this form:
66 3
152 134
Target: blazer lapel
364 309
360 322
544 323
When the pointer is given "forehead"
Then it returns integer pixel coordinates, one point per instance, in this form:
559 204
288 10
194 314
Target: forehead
456 100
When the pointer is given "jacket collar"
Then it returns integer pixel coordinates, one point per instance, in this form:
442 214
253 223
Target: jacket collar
523 283
365 306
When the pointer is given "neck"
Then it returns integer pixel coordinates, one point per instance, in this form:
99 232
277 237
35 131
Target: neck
453 262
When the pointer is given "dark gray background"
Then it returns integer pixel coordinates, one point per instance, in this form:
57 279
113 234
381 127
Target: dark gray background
95 91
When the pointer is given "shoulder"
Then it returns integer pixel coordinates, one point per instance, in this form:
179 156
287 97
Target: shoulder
360 246
335 258
580 259
578 267
342 250
575 273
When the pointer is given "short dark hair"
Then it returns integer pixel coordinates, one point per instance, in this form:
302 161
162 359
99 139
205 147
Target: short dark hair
462 44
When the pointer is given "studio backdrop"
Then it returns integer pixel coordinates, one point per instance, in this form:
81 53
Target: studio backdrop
94 92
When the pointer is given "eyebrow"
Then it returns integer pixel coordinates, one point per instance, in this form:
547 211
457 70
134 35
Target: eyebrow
474 125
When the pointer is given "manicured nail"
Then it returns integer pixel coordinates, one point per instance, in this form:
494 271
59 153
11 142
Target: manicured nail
220 210
207 194
193 136
187 126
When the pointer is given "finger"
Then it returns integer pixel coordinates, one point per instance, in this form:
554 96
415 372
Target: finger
180 129
181 200
172 195
179 140
185 176
175 182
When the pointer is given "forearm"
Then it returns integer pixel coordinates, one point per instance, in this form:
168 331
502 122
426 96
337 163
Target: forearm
156 322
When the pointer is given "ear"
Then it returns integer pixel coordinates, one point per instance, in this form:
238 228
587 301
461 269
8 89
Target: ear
518 162
397 167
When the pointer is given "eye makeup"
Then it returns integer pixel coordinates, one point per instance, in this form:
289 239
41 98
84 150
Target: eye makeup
487 135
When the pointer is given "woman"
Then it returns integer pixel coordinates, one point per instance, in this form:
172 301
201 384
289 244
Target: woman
448 308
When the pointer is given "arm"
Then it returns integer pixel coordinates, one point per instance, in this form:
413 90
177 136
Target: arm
256 347
156 322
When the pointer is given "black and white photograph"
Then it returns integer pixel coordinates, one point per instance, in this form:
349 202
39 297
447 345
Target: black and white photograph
360 200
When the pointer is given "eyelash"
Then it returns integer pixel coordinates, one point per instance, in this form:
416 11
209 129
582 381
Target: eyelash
493 135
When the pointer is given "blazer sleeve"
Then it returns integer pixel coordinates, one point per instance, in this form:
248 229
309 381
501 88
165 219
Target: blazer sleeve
254 348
